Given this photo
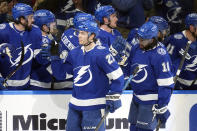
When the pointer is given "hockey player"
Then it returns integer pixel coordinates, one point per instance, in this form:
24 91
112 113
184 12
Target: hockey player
92 67
176 45
153 83
161 24
69 38
109 36
40 77
106 16
21 31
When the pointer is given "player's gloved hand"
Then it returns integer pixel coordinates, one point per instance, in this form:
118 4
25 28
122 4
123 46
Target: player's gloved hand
162 113
6 49
2 85
113 102
51 51
120 49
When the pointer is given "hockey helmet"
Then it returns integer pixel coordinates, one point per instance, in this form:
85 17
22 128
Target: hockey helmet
104 11
161 23
148 31
43 17
89 26
191 19
21 9
82 17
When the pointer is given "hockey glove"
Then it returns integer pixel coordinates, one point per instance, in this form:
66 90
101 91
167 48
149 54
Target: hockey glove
2 85
161 113
113 102
6 49
50 51
120 50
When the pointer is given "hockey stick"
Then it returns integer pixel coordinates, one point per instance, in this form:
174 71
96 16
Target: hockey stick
178 73
18 66
182 61
125 86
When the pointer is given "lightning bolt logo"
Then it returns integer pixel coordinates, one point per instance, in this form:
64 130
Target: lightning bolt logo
68 5
81 72
193 65
16 61
141 68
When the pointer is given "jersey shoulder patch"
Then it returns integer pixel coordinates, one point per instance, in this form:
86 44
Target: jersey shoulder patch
178 36
161 51
2 26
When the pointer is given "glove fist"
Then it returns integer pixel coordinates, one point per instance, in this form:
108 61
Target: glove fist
113 102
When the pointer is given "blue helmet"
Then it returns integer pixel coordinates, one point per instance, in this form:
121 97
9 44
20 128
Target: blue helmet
43 17
191 19
104 11
82 17
148 31
161 23
89 26
21 9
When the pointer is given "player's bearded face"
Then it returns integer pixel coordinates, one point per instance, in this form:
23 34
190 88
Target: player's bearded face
144 42
113 20
28 22
83 37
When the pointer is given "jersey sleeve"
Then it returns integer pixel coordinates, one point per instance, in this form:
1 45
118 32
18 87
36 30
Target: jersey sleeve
162 70
61 69
112 70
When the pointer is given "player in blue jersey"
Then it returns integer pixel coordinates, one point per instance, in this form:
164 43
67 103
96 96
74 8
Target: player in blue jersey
40 77
176 45
20 31
109 36
107 18
153 83
92 67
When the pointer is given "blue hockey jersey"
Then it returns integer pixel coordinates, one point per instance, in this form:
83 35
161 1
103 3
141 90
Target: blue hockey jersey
187 79
91 71
69 39
32 41
106 38
154 81
175 45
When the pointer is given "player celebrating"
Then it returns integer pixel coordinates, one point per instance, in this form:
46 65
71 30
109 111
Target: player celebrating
45 20
176 45
92 67
21 31
153 83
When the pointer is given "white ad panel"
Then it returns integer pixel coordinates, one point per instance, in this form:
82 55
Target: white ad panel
48 111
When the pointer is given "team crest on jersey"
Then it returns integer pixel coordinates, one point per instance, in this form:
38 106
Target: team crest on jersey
193 65
45 40
2 26
83 76
161 51
141 75
28 52
100 47
178 36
